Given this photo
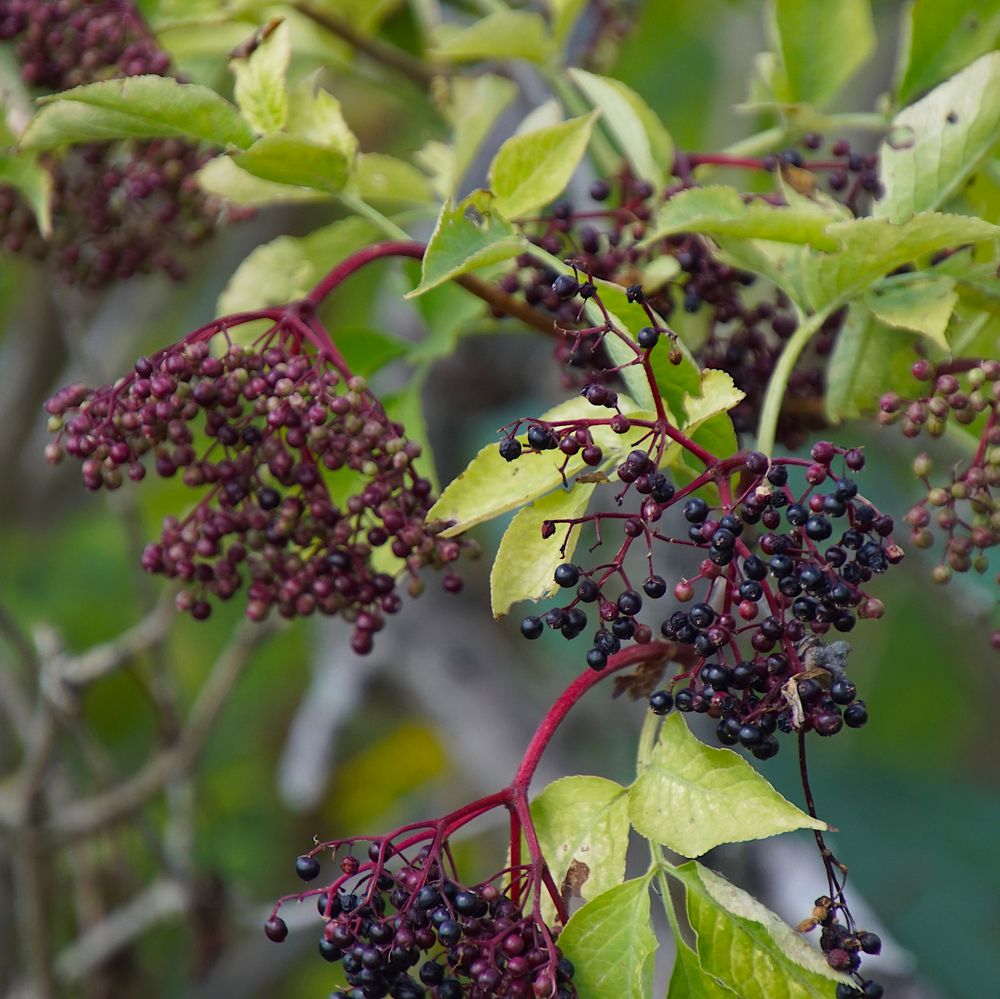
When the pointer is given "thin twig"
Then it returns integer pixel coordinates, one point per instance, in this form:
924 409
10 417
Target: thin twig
497 297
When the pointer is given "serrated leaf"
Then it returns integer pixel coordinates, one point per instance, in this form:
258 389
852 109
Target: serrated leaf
822 44
693 797
533 169
639 132
583 822
222 177
469 235
689 980
871 248
717 395
387 180
506 34
525 560
923 304
938 39
138 107
868 359
476 104
746 946
935 145
291 159
288 267
34 183
316 115
721 210
611 944
490 486
780 263
259 87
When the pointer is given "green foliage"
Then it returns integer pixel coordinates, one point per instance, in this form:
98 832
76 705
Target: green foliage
506 34
260 79
692 798
689 979
919 302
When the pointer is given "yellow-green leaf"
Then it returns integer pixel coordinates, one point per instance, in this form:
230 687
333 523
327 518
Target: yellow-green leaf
290 159
689 980
386 179
259 87
525 560
475 105
505 34
693 797
921 303
222 177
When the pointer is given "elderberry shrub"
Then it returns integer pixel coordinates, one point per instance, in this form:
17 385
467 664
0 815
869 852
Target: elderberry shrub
783 566
271 436
964 507
399 925
118 209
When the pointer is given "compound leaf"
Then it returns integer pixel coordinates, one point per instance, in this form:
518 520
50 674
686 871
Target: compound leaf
746 946
689 980
935 145
532 169
611 943
525 560
138 107
693 797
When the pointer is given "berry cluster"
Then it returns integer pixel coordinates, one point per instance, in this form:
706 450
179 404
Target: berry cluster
274 435
402 927
966 508
843 947
781 566
118 209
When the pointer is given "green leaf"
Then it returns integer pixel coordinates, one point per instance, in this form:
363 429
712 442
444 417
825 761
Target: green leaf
611 944
316 115
290 159
367 351
822 44
222 177
476 104
468 236
693 797
525 560
139 107
387 180
871 248
938 39
868 359
34 183
582 823
746 946
490 486
533 169
564 16
721 210
639 132
288 267
935 145
689 979
506 34
922 303
259 87
447 313
780 263
717 395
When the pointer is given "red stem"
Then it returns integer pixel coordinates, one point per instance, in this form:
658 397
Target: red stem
340 273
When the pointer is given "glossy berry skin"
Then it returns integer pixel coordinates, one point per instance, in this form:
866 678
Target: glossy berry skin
647 338
532 627
660 702
856 714
567 575
565 287
307 868
276 929
871 943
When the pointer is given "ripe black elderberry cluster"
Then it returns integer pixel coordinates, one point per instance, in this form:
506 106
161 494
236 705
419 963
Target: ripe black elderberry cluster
118 209
781 568
965 508
401 927
263 432
843 947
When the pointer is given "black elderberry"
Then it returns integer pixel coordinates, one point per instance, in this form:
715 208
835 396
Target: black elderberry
531 627
541 438
871 943
660 702
856 714
872 990
510 448
588 289
597 659
804 609
715 675
781 565
701 615
789 586
777 475
623 628
767 749
660 488
647 338
750 736
818 528
307 868
754 568
565 286
329 951
684 700
796 515
742 675
852 539
845 991
750 589
630 603
655 587
276 929
431 973
588 591
695 510
728 731
567 575
731 523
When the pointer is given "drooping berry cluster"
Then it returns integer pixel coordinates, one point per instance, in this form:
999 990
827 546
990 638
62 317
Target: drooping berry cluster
402 926
781 566
304 480
966 507
843 947
118 209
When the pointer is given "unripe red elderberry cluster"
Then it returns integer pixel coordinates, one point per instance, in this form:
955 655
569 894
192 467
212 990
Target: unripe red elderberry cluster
402 925
272 436
965 508
118 209
781 567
